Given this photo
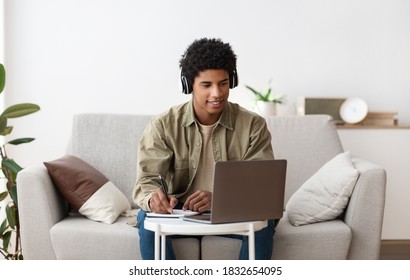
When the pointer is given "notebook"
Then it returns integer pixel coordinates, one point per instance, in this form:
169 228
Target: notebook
246 191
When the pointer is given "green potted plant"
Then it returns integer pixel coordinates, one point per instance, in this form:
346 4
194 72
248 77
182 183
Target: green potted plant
10 243
265 102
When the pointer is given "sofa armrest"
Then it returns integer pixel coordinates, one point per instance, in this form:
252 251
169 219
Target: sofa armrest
40 208
364 214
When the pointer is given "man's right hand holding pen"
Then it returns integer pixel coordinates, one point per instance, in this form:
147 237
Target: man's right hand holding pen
161 202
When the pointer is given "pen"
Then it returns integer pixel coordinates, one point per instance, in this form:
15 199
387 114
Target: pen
164 187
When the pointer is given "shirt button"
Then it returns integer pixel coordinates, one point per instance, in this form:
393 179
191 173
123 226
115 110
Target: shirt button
193 166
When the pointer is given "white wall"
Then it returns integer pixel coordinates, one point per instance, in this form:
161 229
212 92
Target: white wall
121 56
2 181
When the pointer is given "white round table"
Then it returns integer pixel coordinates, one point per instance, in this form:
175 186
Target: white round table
176 226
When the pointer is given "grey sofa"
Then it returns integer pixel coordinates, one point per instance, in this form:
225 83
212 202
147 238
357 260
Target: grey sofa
109 143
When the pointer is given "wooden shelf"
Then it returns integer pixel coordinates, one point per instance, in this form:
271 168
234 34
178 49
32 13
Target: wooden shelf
361 126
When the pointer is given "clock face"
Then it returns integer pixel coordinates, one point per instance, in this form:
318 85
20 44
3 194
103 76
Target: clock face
353 110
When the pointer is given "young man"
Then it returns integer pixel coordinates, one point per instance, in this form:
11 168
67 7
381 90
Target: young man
183 144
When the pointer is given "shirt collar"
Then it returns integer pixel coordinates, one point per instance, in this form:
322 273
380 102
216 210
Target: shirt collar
227 118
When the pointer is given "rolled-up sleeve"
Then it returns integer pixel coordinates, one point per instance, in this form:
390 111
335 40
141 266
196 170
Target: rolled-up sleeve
154 158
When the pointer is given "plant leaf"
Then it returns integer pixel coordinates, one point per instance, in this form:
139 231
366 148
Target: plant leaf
7 131
6 240
10 177
267 95
2 77
253 90
12 166
21 141
3 195
3 227
19 110
3 124
258 95
13 194
11 216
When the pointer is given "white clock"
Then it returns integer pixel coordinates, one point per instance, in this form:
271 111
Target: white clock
353 110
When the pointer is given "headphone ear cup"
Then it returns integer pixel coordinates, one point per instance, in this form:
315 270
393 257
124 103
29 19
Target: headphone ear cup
186 88
233 79
184 84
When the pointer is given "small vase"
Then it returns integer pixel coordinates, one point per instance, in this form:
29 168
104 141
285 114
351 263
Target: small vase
266 108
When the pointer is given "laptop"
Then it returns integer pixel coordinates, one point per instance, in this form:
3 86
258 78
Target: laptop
246 191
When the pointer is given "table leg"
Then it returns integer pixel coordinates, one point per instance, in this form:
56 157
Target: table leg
163 246
157 241
251 242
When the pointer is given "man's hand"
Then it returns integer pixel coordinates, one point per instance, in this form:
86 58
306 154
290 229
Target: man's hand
159 203
199 201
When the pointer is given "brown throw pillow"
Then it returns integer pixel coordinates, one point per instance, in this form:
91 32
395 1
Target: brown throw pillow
87 189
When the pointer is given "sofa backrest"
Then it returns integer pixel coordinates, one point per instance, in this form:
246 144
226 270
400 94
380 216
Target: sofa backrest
306 142
109 143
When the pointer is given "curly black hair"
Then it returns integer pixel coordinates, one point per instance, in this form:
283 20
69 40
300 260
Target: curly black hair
205 54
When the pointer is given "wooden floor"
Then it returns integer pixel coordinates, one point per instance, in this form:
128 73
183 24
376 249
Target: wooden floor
389 250
395 250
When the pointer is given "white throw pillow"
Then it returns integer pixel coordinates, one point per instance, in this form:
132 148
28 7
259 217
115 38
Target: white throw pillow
325 195
106 204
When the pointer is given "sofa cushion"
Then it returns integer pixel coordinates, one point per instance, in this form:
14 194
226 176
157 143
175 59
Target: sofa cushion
87 189
318 241
325 195
76 237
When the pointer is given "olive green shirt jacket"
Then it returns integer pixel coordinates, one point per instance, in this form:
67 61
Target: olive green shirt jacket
171 146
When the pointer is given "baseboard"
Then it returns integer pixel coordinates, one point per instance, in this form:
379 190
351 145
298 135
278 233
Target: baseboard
395 250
